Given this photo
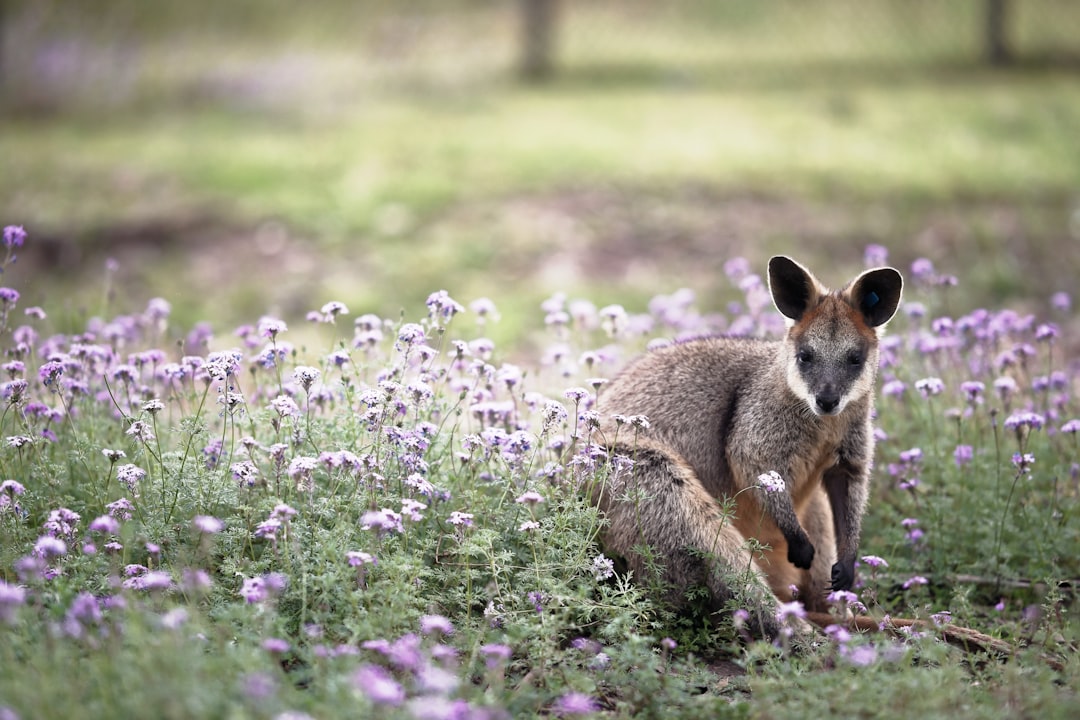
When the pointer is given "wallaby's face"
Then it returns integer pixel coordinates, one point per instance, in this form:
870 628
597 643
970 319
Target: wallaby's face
831 348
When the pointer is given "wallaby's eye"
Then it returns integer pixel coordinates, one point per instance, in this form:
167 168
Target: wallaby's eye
805 357
855 359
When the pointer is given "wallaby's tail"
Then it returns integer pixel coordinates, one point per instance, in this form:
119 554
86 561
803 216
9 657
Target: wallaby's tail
660 506
971 641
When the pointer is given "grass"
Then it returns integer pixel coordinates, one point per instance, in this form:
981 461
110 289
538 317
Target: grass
372 157
261 162
391 520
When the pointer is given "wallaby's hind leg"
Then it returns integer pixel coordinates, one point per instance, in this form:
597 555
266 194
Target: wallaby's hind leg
811 587
660 504
817 519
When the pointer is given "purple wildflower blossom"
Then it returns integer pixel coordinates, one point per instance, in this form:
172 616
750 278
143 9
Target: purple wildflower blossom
377 684
794 609
575 703
435 624
275 646
963 455
105 524
1021 420
11 598
207 524
495 654
14 236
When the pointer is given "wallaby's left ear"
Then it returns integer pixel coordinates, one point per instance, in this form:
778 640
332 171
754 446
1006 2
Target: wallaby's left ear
876 294
794 289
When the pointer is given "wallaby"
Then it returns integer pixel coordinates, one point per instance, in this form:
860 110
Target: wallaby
722 412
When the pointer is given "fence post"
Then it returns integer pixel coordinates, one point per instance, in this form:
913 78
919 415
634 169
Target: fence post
538 20
998 51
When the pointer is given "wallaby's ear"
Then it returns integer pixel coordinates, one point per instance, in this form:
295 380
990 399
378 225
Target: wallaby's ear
794 289
876 294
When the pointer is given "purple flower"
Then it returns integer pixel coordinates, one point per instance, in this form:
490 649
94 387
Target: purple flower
50 372
495 654
174 619
894 388
375 682
120 509
973 389
254 590
602 567
129 476
838 633
332 309
275 645
435 624
14 236
207 524
11 598
575 703
383 521
196 581
1072 427
859 655
358 558
930 386
140 430
270 327
460 518
530 498
1061 301
12 488
1023 462
106 524
915 580
1005 386
963 455
1047 332
48 546
8 296
922 269
794 609
155 580
875 255
1021 420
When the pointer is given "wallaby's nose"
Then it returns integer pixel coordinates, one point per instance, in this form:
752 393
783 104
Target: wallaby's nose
827 401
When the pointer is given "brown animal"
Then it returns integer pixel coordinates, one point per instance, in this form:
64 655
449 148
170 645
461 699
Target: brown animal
723 412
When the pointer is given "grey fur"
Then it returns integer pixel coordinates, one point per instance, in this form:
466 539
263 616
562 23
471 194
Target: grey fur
723 411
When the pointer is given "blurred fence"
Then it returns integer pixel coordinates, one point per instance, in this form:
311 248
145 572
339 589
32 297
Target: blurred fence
57 53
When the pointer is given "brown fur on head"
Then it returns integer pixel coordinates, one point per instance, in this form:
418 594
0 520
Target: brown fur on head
831 349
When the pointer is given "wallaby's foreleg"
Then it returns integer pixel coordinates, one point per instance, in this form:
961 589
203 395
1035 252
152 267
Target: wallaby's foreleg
847 487
660 507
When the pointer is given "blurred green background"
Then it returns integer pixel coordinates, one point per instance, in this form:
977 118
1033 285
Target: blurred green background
256 156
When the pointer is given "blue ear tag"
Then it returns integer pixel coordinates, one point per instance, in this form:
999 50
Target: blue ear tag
870 300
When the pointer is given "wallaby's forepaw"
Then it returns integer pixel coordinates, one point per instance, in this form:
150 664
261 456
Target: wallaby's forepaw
800 551
843 576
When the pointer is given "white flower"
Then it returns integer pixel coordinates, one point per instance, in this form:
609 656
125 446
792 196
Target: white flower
771 482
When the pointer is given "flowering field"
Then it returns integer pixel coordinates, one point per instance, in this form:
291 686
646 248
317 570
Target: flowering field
383 517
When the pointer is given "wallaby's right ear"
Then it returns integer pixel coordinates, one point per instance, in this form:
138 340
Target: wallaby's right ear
876 294
794 289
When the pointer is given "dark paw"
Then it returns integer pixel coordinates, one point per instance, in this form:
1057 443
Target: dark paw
800 551
843 576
